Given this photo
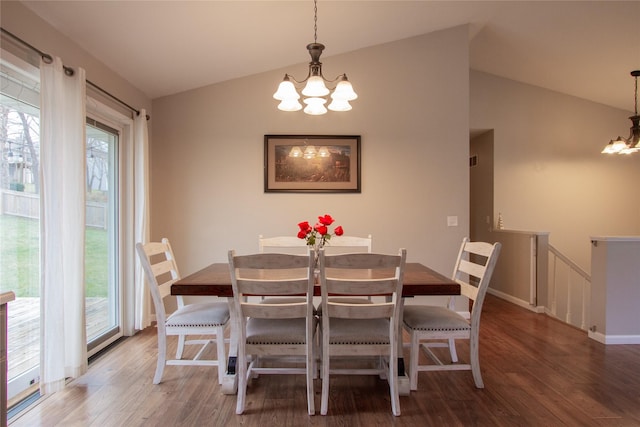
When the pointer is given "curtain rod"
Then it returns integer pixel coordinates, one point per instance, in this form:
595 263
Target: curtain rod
69 71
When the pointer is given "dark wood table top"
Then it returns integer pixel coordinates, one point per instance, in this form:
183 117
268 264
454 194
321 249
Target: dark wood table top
215 280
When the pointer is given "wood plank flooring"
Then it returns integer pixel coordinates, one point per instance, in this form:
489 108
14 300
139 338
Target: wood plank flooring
537 372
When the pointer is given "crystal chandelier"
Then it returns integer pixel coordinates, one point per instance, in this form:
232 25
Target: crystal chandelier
632 143
315 91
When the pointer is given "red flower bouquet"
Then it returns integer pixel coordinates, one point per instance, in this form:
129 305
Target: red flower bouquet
319 234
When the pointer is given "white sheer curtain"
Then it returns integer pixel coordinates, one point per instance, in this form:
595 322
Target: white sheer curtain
141 177
62 221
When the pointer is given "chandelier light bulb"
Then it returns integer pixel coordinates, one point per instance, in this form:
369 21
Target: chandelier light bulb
290 105
615 146
286 90
315 87
339 105
344 91
315 106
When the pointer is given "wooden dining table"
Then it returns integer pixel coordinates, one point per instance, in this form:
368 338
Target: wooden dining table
215 280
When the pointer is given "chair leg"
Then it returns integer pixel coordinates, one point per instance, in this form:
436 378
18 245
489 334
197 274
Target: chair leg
222 357
452 350
392 377
324 405
162 357
242 380
311 374
315 352
413 360
180 349
475 359
393 388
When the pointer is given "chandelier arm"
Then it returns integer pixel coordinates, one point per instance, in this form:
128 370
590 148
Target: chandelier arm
339 77
299 81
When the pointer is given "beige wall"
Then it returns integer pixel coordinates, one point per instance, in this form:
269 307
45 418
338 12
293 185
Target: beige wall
207 156
21 22
549 174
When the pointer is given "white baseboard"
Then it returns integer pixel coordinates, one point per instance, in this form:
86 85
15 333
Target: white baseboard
614 339
516 301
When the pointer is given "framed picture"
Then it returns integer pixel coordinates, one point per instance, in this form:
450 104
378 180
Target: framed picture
312 163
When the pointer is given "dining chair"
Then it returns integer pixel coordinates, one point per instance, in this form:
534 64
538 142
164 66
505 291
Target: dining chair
348 244
425 323
354 330
282 330
207 318
282 244
344 244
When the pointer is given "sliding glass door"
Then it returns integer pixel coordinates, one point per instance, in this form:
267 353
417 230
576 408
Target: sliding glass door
101 238
20 219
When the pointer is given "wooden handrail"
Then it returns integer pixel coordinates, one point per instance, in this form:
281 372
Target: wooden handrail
575 267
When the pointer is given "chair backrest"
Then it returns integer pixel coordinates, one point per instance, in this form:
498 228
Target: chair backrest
282 244
473 270
271 274
346 244
361 274
161 271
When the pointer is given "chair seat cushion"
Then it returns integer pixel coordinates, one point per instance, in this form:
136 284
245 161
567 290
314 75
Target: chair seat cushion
358 331
277 331
433 318
200 315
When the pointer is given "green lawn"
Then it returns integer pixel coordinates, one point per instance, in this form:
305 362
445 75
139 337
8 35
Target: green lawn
20 264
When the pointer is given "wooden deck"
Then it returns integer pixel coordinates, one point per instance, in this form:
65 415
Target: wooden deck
24 331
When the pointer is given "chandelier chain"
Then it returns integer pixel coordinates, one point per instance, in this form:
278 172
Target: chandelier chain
315 23
636 97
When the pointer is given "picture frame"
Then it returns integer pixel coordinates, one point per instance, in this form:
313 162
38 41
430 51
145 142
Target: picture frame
312 163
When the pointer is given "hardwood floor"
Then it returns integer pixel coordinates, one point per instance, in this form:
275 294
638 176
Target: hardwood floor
537 372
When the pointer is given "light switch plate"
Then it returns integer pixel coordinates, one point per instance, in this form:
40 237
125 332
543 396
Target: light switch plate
452 221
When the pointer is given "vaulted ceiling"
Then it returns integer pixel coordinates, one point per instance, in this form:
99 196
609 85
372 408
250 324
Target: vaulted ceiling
581 48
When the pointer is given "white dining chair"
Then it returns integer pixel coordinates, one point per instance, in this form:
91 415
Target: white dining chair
356 330
210 318
425 323
282 244
346 244
279 329
349 244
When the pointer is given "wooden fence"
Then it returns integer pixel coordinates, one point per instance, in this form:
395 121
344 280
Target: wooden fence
27 205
